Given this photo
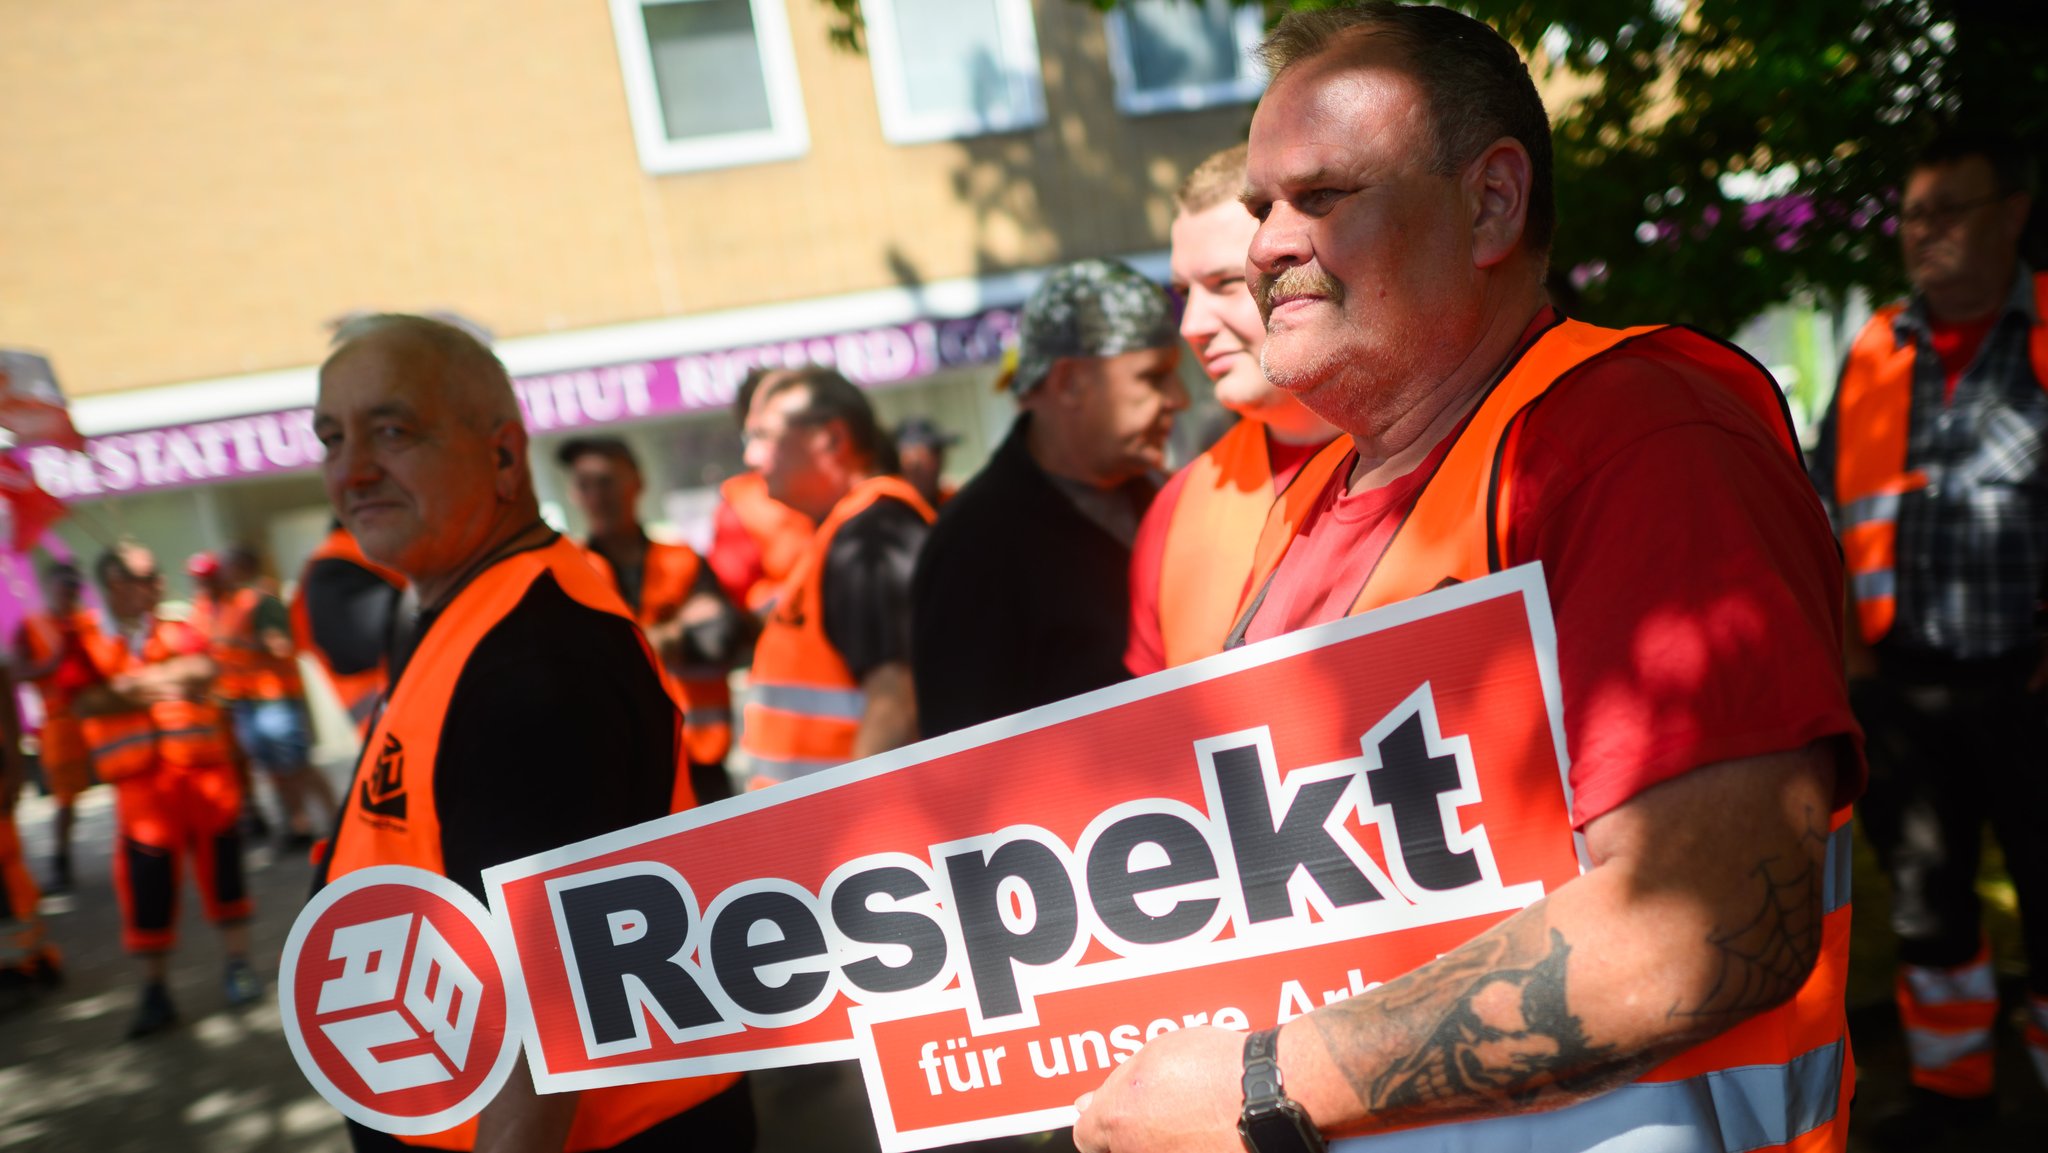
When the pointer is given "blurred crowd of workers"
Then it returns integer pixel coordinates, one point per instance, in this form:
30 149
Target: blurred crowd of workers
871 605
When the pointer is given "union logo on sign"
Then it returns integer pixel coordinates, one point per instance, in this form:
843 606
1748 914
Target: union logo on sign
394 1003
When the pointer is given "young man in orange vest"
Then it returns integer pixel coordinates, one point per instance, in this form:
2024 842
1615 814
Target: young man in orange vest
343 612
260 681
1930 458
1023 593
831 678
1400 171
525 712
1194 548
155 733
52 650
694 630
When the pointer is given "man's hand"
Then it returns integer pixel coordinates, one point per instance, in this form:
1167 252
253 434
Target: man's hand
1182 1093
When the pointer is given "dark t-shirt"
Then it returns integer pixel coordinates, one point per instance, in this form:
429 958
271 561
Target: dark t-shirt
349 608
1021 599
558 730
867 585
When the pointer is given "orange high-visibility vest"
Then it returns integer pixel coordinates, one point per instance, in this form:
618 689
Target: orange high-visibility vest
803 705
1210 541
360 691
1778 1081
63 741
667 576
780 532
249 671
1873 410
166 734
417 707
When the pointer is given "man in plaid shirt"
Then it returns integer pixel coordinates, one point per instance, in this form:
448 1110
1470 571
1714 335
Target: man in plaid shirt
1933 461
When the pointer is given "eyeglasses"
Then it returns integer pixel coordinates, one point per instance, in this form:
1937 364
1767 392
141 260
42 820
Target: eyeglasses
1943 216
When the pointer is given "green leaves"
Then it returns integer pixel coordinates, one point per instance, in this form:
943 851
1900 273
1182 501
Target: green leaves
1731 154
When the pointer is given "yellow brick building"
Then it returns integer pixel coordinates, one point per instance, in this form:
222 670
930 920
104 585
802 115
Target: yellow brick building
637 198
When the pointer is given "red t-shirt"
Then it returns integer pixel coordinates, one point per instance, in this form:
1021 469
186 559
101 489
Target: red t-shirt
735 557
1145 653
1693 578
1957 345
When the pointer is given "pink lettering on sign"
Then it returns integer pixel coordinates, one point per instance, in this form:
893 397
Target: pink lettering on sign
283 442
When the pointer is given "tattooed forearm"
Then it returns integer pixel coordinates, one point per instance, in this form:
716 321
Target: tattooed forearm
1489 1026
1765 959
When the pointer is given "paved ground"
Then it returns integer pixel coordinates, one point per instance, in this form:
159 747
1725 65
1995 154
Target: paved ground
225 1082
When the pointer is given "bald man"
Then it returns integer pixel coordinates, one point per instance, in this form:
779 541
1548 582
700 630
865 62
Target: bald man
527 711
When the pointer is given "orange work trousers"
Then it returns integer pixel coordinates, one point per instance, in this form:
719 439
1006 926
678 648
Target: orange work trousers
164 816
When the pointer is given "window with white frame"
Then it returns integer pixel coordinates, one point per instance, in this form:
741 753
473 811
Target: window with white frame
1177 55
945 69
709 83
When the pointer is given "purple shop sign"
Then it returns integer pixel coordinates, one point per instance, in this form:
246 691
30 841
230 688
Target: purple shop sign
282 442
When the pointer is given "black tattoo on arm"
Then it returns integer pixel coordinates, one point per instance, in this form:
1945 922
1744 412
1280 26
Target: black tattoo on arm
1765 960
1486 1029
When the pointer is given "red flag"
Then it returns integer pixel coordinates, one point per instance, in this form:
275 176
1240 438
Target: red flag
31 407
30 508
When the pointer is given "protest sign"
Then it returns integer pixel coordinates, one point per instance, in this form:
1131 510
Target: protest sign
991 921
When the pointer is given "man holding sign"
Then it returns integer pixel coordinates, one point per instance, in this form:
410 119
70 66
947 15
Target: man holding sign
528 711
1400 172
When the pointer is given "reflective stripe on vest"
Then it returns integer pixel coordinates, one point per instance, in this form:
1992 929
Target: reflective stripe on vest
1780 1079
1223 502
394 781
360 691
803 704
1873 419
1736 1110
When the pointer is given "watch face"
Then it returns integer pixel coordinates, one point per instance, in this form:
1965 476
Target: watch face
1279 1131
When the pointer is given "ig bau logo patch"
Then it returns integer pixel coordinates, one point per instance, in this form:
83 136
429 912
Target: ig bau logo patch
394 1002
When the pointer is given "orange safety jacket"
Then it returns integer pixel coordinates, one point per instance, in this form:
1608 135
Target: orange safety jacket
1873 411
779 531
804 706
703 694
1781 1080
249 671
1209 543
416 708
63 741
358 692
166 734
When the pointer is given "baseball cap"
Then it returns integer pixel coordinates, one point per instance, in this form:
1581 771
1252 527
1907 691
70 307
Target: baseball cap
203 565
582 446
1090 308
918 430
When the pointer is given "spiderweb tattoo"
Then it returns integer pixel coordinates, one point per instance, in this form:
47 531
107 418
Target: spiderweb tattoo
1764 960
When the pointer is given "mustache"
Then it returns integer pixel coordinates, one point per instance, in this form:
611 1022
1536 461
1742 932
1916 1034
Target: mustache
1299 280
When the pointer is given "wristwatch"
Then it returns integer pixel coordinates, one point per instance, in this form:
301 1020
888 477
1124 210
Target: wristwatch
1272 1122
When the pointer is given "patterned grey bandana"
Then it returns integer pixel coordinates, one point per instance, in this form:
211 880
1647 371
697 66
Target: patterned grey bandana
1090 308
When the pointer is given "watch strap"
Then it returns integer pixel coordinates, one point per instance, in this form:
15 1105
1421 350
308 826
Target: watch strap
1262 1067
